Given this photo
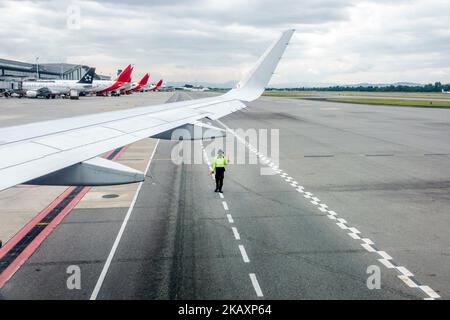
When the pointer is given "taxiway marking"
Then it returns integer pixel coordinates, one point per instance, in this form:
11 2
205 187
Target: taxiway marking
405 276
105 269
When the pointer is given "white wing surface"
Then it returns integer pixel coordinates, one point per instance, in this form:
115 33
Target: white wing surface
31 151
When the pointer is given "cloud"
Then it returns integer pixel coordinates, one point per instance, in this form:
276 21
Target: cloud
341 41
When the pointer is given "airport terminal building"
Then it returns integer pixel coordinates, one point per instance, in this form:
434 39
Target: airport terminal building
11 70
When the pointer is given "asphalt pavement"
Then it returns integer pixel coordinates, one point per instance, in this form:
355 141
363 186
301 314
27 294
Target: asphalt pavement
355 189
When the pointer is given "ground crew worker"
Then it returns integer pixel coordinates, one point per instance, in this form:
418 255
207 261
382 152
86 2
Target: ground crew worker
218 168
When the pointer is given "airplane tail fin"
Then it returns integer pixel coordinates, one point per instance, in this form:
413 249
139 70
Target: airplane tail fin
159 84
88 76
253 85
129 75
125 75
144 79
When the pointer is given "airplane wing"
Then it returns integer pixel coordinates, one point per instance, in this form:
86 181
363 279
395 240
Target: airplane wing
65 151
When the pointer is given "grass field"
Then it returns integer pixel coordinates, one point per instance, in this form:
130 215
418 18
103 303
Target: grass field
396 102
412 99
412 95
292 94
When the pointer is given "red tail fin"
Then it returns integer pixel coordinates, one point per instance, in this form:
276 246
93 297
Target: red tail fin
159 84
144 80
125 75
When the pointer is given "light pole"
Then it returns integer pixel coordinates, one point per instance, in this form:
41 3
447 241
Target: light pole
37 67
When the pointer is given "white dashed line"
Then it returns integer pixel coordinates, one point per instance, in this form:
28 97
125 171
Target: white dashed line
354 236
368 247
342 223
386 263
368 241
245 258
244 254
236 233
256 285
405 271
354 230
430 292
408 281
384 255
225 206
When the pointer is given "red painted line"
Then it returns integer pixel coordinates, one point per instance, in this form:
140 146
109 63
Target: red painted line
124 148
34 245
19 235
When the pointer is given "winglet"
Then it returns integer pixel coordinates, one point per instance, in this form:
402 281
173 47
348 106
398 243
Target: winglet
253 85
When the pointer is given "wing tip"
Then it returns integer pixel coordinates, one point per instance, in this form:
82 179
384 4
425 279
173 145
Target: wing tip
253 85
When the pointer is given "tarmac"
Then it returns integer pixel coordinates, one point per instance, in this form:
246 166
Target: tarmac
357 191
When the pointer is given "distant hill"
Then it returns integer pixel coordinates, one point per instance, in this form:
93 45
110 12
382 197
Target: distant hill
406 84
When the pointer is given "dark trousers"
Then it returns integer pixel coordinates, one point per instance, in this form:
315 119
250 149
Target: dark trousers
219 183
220 174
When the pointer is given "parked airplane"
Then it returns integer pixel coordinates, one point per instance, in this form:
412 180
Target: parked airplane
188 87
155 87
66 151
137 86
104 86
443 91
52 88
125 88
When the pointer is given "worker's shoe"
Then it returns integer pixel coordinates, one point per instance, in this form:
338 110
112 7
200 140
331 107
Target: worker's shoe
216 190
220 191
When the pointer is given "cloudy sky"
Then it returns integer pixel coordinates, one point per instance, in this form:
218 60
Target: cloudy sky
337 41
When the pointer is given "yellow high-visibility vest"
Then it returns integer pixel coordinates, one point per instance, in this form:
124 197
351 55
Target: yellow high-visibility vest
219 162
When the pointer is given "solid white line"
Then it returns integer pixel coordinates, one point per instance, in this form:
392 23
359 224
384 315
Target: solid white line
105 269
225 206
236 233
230 218
244 254
256 285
